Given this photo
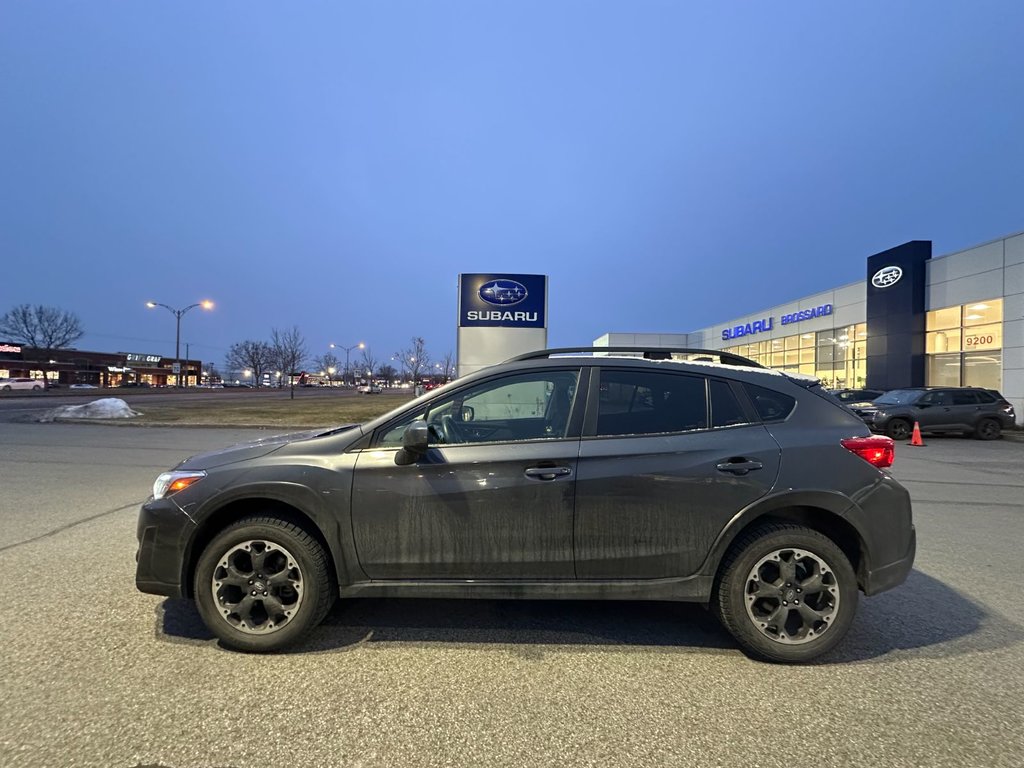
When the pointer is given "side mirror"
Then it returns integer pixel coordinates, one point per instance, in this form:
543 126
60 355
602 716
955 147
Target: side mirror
415 440
468 413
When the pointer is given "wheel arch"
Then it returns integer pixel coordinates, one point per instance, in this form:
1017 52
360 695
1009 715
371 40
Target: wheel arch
824 512
239 508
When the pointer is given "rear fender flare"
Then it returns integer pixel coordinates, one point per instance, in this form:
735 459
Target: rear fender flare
830 502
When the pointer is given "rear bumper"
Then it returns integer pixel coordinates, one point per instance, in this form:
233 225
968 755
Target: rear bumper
891 574
162 532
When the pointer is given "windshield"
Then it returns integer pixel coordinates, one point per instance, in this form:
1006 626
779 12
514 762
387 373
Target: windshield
898 397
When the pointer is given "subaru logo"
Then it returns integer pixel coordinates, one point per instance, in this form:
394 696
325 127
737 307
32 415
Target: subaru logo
503 293
886 276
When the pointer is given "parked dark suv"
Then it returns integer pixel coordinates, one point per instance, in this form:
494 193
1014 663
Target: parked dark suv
555 476
983 413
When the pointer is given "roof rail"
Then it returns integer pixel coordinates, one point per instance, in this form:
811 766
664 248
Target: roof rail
649 353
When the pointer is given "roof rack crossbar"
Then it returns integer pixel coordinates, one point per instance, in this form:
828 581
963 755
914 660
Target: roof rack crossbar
650 353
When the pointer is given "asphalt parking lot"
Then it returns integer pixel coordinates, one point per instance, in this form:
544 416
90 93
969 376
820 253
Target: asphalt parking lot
97 674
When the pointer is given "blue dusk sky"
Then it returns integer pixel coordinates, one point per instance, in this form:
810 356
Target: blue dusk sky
336 165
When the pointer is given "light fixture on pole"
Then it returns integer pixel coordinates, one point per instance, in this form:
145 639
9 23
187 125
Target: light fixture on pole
360 345
178 313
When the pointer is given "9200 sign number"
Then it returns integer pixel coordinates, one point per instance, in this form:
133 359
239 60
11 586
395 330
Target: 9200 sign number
977 341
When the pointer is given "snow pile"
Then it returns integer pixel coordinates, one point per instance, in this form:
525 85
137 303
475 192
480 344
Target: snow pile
105 408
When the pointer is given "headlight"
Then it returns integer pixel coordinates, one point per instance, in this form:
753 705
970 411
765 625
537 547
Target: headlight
172 482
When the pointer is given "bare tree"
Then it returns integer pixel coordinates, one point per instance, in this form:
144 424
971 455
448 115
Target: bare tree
448 366
328 363
255 356
289 353
414 358
388 373
368 363
46 328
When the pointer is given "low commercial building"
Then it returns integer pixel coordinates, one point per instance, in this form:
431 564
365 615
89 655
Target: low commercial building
914 320
101 369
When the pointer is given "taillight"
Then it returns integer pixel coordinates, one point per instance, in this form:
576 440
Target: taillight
878 451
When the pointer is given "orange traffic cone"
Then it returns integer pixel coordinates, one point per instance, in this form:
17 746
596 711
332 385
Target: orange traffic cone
915 438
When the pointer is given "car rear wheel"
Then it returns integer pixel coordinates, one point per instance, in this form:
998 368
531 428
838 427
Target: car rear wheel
988 429
899 429
262 584
786 593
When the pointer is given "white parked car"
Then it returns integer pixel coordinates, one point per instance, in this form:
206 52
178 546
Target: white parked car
21 383
370 389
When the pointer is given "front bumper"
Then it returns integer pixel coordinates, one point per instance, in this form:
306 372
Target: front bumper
163 531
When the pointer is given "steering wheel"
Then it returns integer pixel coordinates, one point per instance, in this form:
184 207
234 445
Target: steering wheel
449 432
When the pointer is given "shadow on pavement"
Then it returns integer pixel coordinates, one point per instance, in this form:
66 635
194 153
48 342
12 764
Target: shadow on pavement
922 618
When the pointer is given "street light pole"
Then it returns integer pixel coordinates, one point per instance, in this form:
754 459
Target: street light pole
178 313
360 345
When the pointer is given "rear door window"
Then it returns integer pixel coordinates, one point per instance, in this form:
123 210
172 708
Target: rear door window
726 410
964 397
650 402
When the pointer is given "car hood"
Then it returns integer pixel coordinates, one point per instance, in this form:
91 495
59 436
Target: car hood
257 448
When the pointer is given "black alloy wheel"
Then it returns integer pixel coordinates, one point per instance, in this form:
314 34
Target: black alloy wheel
786 593
899 429
988 429
262 584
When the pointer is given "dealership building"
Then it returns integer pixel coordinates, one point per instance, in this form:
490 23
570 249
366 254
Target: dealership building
952 320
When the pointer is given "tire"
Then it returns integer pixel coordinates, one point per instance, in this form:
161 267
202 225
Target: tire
36 388
899 429
284 569
988 429
827 612
7 388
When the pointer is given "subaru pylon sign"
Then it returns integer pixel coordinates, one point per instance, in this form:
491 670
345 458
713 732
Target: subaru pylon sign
502 301
500 316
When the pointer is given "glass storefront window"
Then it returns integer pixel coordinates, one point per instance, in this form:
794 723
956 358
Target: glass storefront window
944 370
983 337
938 319
792 342
983 369
937 342
964 345
806 356
983 313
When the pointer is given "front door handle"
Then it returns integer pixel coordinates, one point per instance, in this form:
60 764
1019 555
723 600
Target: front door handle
739 466
547 473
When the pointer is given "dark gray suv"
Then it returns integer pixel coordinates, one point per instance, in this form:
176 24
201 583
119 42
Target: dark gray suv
554 476
983 413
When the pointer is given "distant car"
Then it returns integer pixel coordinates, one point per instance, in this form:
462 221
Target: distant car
848 396
370 389
21 383
982 413
83 386
134 384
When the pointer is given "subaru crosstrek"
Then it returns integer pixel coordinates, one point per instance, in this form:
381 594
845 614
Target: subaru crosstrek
550 476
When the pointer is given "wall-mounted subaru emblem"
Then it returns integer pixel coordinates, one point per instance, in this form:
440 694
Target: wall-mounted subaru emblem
886 276
503 293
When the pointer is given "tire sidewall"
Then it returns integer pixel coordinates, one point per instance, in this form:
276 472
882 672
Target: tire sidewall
313 586
980 429
898 429
733 590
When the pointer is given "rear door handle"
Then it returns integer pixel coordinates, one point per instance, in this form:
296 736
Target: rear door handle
547 473
738 466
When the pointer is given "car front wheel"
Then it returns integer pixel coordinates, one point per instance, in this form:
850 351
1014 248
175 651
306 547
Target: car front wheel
899 429
262 584
786 593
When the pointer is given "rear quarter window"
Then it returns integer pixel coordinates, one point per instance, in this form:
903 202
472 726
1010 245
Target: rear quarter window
769 404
